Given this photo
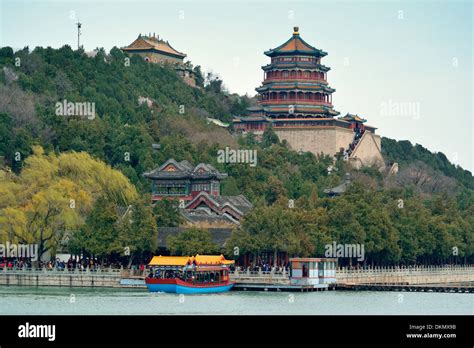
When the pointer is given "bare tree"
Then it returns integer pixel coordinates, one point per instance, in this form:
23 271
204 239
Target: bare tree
424 179
19 105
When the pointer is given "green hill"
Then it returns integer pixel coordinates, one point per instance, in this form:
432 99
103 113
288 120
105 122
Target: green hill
404 153
122 134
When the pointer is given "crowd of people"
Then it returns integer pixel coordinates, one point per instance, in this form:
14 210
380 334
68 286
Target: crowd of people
358 135
262 267
12 263
70 264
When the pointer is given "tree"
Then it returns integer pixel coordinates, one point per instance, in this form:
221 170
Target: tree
137 229
198 77
99 236
270 228
214 84
274 190
6 138
240 243
6 55
229 187
53 195
239 105
192 241
167 213
269 137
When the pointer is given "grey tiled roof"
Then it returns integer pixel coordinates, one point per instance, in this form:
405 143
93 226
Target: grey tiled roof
185 170
255 108
201 215
338 189
341 188
251 118
239 202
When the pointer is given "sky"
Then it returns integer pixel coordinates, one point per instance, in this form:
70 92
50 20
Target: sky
405 66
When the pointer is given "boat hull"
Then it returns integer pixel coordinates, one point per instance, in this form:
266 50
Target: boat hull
177 286
202 290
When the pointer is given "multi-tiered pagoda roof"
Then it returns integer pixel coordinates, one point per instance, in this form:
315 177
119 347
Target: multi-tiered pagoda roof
295 99
295 45
295 84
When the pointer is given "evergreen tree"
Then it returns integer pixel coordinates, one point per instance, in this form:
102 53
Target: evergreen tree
191 242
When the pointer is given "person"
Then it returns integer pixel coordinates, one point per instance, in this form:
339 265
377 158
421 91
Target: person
305 271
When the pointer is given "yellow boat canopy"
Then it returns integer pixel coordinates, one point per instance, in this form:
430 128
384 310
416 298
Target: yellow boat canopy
185 260
170 260
212 260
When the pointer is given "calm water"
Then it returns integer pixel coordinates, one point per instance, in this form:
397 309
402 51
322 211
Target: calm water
56 300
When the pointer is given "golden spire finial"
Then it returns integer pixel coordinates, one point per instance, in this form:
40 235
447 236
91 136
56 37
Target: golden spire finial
296 31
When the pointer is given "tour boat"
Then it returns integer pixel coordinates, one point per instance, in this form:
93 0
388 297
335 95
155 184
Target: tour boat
200 274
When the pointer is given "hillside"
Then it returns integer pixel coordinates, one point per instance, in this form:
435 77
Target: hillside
405 153
122 133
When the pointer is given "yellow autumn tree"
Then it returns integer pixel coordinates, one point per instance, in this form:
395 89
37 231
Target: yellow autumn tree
53 195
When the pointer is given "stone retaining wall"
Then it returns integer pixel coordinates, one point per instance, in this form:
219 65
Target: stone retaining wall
22 278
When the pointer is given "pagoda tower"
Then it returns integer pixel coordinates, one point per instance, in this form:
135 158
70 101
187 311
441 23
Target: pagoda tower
296 101
295 82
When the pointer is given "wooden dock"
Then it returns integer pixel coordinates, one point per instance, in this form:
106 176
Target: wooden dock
277 287
449 288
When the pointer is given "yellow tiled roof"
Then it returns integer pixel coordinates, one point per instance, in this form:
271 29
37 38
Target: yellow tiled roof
212 260
153 43
296 44
184 260
170 260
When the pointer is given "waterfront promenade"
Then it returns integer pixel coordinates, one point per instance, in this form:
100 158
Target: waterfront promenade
106 277
362 279
407 275
459 278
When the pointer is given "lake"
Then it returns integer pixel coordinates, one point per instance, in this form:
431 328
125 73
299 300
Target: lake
76 301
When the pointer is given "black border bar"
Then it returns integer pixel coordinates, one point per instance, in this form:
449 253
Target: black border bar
290 331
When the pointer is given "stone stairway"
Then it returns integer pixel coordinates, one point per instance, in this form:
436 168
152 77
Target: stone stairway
353 145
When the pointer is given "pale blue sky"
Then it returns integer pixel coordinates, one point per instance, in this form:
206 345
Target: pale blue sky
383 55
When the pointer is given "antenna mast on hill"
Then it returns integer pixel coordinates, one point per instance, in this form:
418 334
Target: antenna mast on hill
79 25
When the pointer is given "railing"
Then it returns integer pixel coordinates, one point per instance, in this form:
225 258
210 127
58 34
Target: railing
407 274
59 270
405 269
273 273
341 273
293 78
291 100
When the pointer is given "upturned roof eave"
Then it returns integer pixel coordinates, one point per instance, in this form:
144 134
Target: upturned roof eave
154 50
150 46
295 85
316 52
290 65
312 51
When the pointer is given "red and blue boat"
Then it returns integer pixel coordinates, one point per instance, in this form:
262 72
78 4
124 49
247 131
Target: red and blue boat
200 274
